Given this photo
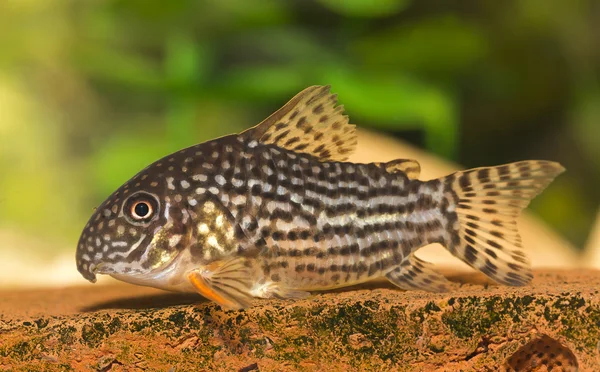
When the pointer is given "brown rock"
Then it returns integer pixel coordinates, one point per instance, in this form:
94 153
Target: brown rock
476 326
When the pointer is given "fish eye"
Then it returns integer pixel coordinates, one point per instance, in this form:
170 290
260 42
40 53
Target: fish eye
141 207
141 210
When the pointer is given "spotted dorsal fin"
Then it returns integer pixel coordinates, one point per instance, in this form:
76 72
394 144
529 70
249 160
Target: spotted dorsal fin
309 123
410 167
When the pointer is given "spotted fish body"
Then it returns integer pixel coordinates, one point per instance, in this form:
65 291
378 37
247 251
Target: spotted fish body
277 211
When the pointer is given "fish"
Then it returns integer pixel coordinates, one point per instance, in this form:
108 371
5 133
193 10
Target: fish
278 211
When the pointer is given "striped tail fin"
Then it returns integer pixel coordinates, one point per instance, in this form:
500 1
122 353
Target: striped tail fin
487 202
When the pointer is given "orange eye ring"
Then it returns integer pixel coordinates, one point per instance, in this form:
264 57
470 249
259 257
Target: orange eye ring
141 210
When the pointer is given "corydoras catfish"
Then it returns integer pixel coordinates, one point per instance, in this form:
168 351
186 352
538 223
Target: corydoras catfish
278 211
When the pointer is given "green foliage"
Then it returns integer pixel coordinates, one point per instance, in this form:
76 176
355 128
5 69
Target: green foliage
375 98
366 8
91 92
424 46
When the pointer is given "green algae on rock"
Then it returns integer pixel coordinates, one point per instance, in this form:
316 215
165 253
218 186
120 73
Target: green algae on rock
469 328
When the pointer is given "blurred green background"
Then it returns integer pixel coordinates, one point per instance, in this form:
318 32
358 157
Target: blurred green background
91 91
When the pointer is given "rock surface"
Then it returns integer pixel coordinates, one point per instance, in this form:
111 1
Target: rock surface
553 324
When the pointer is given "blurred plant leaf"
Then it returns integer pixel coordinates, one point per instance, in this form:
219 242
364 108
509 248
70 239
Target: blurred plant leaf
285 44
557 204
154 10
398 102
264 12
187 64
366 8
260 83
440 44
119 67
187 67
586 125
37 184
123 155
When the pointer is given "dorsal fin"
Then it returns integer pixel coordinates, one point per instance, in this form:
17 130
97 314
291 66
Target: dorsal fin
309 123
411 167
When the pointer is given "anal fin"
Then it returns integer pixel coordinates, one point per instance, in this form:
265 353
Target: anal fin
228 283
415 273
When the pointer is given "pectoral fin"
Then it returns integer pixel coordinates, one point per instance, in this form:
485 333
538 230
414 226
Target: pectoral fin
228 283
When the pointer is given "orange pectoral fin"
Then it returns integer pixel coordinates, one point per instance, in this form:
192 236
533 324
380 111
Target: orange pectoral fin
208 291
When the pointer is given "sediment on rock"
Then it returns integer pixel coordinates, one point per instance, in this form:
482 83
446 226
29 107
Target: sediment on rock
476 326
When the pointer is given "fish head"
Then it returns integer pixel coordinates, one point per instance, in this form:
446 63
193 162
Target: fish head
137 233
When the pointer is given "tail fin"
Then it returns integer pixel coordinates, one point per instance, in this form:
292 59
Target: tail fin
487 203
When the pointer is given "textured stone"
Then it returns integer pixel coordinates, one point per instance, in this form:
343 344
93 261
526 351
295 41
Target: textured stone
476 326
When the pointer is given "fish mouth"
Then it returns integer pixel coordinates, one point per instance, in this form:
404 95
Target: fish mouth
100 268
133 274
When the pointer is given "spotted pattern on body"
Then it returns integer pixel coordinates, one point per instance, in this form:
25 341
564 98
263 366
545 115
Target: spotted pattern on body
277 212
